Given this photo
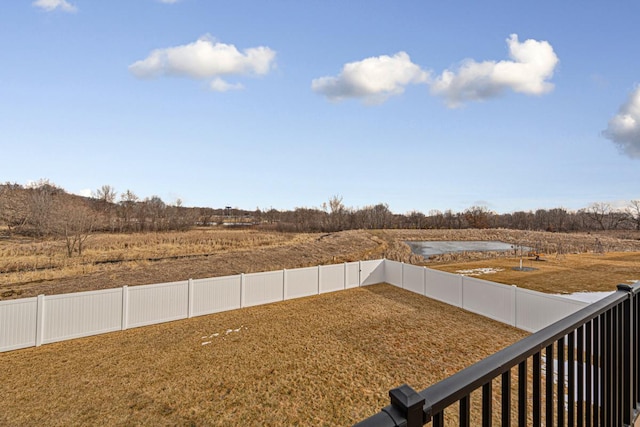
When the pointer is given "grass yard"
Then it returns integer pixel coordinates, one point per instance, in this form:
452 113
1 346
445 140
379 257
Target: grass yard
322 360
563 274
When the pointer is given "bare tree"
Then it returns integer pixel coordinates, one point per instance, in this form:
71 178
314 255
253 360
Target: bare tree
416 220
557 219
603 216
127 210
106 194
478 216
436 219
155 212
632 213
41 206
75 224
521 220
453 220
337 213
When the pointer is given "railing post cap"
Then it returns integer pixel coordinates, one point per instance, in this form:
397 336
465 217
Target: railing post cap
405 396
625 287
409 402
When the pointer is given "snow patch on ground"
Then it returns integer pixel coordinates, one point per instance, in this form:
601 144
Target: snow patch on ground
586 296
479 271
221 335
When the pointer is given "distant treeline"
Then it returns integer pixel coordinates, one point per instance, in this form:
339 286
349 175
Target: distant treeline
44 209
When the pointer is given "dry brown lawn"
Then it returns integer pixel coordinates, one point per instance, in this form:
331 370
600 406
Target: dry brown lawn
322 360
560 274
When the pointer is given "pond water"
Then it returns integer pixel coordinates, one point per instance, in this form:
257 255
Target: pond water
428 248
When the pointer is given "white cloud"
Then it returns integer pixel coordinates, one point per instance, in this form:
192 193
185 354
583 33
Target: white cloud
219 85
169 1
50 5
373 80
532 64
624 127
205 58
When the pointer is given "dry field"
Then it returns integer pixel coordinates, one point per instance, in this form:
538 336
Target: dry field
322 360
29 268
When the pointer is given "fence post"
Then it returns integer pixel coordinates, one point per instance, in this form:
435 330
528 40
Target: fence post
359 273
514 306
318 282
344 277
125 307
284 284
190 299
39 320
424 281
462 291
242 290
402 275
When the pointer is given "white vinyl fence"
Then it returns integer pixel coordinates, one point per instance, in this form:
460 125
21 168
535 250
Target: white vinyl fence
522 308
44 319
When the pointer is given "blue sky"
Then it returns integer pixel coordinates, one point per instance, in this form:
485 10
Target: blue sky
282 104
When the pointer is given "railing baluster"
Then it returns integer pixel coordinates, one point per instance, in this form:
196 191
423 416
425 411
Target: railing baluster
561 398
627 353
597 369
608 368
506 399
522 393
536 390
438 419
548 385
615 374
621 372
636 351
588 357
487 405
571 379
580 388
465 414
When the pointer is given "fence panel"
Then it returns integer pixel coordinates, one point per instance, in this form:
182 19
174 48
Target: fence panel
372 272
18 323
301 282
163 302
81 314
262 288
445 287
413 278
393 272
493 300
332 278
216 294
535 310
352 275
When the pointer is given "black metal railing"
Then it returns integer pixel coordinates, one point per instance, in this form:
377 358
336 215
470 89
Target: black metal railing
580 371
